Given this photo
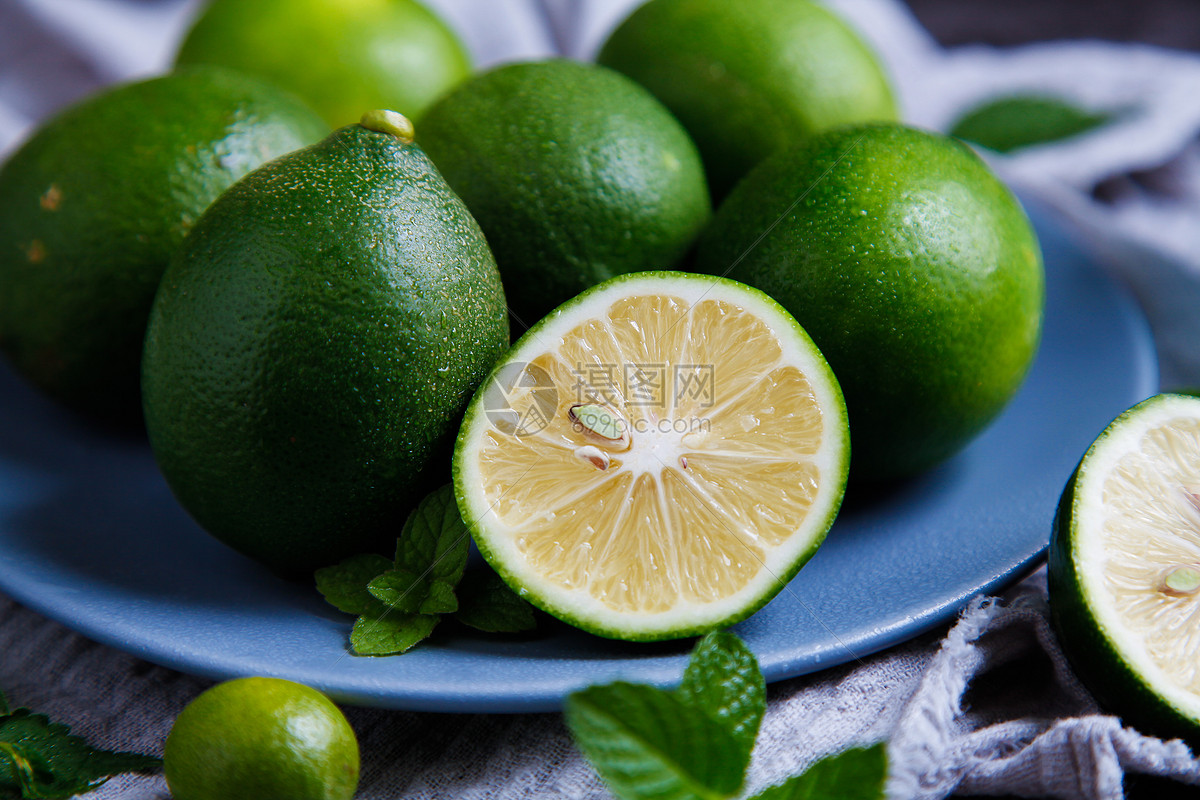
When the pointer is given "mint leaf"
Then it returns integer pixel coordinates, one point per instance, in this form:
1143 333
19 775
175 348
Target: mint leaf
4 710
389 632
398 602
344 585
401 589
648 743
857 774
41 759
723 680
486 603
435 540
440 600
407 591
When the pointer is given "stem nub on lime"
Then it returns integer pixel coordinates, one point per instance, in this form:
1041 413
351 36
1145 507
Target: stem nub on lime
261 739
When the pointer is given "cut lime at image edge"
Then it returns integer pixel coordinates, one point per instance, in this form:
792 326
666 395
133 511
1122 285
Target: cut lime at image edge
1117 563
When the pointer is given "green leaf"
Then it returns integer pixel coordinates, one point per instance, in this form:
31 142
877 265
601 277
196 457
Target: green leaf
344 585
857 774
440 600
390 632
435 540
722 679
1010 123
405 590
487 604
401 589
647 743
4 709
41 759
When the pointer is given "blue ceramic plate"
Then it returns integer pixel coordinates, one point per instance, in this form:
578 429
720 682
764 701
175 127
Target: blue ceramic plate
91 536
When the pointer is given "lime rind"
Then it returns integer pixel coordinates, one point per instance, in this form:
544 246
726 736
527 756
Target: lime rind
1113 658
683 620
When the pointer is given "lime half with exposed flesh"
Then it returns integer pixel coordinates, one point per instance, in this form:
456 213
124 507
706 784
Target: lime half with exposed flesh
656 458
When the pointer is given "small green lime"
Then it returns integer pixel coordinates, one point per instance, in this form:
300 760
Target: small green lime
912 267
314 343
575 173
750 77
261 739
342 56
1124 567
95 203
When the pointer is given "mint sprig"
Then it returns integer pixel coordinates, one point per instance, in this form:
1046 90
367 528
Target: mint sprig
400 602
694 743
42 760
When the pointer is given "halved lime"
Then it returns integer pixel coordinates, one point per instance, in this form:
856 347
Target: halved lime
656 458
1125 567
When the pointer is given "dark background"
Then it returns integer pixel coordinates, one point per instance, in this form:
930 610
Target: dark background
1167 23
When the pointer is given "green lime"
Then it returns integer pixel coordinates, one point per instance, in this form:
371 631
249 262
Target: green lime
314 344
912 267
94 204
751 77
1125 567
261 739
342 56
1010 123
656 458
575 173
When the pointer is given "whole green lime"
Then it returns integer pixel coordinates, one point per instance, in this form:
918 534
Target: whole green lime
575 173
342 56
748 78
314 344
261 739
94 204
912 267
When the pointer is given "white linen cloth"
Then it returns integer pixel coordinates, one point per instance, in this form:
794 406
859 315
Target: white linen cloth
957 715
